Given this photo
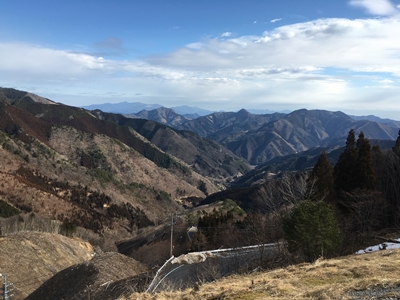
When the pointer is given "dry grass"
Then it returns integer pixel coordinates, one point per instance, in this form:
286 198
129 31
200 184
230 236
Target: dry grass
31 258
324 279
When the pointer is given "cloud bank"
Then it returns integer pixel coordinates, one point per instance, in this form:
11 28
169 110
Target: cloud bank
326 63
376 7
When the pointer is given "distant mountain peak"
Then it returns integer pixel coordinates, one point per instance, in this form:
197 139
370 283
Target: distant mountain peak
122 107
243 111
189 110
162 115
38 99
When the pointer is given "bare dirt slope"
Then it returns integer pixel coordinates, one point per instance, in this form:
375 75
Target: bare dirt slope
30 258
100 278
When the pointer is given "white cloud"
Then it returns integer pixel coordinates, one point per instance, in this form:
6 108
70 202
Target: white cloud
386 81
370 45
195 46
226 34
28 61
376 7
275 20
314 64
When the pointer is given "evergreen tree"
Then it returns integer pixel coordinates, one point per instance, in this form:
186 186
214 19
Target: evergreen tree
311 229
396 147
320 184
364 174
6 210
343 172
387 172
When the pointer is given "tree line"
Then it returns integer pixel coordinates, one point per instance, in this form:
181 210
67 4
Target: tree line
333 211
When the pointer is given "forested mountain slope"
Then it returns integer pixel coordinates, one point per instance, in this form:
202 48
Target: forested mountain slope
63 163
260 138
204 155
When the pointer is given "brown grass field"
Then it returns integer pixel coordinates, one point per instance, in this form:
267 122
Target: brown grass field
367 276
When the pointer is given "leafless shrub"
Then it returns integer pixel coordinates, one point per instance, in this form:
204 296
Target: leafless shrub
28 223
293 187
365 210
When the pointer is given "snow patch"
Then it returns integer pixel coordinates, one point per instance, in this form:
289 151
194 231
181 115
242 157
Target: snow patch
383 246
192 258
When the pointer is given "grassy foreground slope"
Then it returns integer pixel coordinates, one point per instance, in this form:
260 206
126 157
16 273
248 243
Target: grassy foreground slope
368 276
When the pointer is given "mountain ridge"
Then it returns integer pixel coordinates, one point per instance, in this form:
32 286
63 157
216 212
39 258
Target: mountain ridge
260 138
64 163
204 155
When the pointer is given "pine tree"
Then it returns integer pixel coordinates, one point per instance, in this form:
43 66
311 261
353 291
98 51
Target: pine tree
320 184
343 172
364 172
390 183
311 228
396 147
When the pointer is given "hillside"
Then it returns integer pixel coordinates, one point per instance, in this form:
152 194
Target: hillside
162 115
63 163
204 155
117 196
300 131
235 123
367 276
305 160
136 186
259 138
30 258
99 278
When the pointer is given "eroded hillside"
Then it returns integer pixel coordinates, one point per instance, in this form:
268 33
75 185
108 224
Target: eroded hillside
106 276
30 258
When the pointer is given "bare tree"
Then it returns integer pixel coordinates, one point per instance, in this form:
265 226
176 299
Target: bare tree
272 201
293 187
365 209
387 166
261 230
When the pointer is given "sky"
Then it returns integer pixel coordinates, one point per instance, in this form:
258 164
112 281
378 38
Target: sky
213 54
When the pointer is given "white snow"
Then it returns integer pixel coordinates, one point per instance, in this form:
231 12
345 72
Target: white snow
383 246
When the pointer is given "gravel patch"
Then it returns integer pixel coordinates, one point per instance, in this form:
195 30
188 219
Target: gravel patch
384 293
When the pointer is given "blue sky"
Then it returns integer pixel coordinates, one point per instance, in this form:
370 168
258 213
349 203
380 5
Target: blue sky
218 55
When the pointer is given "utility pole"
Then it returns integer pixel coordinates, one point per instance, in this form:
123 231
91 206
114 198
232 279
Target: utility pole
6 296
172 231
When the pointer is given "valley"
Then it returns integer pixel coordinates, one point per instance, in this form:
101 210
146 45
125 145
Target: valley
128 187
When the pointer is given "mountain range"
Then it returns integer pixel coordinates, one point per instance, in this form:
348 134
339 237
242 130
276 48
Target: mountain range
135 168
67 164
110 177
184 110
259 138
252 138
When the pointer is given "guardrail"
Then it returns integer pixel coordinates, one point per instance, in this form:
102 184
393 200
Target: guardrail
159 277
